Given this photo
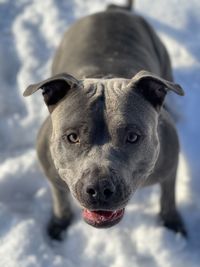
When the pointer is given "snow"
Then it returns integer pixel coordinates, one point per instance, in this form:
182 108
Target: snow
30 33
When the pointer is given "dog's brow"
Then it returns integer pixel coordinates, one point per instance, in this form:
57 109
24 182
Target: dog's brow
76 125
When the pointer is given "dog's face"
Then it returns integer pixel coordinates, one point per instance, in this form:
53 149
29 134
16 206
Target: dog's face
104 140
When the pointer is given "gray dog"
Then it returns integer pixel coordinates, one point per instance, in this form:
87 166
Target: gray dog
108 132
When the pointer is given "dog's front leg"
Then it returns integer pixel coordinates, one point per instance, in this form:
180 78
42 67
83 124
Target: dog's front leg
169 215
62 215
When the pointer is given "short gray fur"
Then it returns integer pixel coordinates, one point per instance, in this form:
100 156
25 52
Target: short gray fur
107 96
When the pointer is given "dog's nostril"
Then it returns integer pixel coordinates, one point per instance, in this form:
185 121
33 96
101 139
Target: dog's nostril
92 192
108 193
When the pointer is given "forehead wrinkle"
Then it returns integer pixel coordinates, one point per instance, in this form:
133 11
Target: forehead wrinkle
114 83
113 99
112 89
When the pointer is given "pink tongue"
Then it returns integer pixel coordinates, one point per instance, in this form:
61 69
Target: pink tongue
101 216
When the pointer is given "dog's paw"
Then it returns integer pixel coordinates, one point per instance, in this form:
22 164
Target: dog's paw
56 227
174 223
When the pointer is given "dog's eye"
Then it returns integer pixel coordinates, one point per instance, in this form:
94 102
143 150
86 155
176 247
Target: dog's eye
132 137
71 138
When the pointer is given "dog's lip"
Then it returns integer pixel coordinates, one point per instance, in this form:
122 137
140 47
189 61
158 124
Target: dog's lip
102 218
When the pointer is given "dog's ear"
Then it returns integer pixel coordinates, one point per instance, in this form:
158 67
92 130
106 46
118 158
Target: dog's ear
153 88
53 89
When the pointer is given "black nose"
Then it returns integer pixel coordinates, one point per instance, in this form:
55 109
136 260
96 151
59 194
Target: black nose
101 190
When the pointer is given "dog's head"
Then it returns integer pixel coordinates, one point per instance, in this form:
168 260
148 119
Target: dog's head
104 140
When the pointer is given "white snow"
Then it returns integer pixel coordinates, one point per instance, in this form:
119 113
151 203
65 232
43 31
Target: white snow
30 33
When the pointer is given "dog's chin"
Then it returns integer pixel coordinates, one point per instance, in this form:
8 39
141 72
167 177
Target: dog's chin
102 218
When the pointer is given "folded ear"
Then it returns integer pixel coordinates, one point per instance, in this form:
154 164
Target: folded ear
153 88
53 89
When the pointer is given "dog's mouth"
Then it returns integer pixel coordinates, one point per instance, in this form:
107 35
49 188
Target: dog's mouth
102 218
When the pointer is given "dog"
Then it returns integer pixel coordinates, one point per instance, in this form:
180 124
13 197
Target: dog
108 132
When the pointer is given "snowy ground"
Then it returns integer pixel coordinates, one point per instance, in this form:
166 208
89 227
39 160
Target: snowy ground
30 33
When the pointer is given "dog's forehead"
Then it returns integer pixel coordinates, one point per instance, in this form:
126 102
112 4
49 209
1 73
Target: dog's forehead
120 103
105 100
114 92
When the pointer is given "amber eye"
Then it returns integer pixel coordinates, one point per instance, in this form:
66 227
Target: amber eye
72 138
132 137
